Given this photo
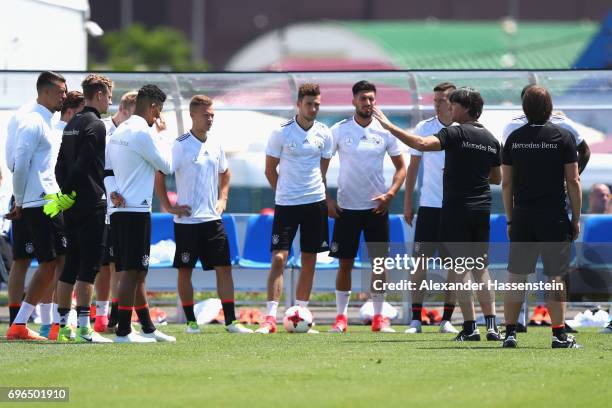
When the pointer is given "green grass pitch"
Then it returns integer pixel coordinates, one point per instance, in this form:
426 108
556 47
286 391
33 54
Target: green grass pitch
359 369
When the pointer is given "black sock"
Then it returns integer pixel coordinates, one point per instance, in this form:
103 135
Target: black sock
469 326
145 319
559 332
124 321
490 319
114 313
189 314
63 313
228 311
449 308
13 310
416 311
511 330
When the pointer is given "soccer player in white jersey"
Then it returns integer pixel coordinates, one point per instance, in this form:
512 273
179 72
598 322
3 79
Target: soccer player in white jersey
426 240
33 181
363 197
107 280
132 158
301 149
202 184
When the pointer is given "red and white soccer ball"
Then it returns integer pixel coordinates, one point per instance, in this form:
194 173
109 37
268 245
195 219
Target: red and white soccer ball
297 320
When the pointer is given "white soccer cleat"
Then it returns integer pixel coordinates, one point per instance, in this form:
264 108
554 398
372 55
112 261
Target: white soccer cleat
387 329
87 335
447 327
157 335
415 327
607 329
134 338
192 328
312 331
239 328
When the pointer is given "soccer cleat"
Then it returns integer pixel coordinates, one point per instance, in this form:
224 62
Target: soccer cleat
509 342
570 329
415 327
382 325
45 329
520 328
268 326
134 338
237 327
88 335
159 336
340 325
22 332
607 329
568 342
493 334
447 327
53 332
101 324
465 336
64 335
192 327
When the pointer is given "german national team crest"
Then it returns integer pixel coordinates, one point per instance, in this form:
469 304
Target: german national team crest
111 251
145 260
29 248
417 247
275 239
185 257
334 247
64 242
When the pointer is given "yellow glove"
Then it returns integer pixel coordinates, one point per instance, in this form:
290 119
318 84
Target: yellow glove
59 202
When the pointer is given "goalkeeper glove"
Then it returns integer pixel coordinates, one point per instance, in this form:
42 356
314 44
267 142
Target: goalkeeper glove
59 202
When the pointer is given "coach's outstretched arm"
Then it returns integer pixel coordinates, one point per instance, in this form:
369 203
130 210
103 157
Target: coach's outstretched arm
424 144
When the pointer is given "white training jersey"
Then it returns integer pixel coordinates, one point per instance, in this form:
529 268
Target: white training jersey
300 152
34 167
110 126
11 133
556 119
196 169
132 158
362 153
433 165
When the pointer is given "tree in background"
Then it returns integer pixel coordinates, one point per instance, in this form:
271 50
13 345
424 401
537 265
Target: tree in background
139 49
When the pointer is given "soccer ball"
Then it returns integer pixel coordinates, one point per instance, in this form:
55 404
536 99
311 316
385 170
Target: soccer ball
297 320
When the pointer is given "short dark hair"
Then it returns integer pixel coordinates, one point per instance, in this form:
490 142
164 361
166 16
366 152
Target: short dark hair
73 100
362 86
444 86
525 88
308 89
94 83
470 99
48 78
150 94
537 105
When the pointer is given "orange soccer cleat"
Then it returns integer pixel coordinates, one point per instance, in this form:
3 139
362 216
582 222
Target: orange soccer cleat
21 332
340 325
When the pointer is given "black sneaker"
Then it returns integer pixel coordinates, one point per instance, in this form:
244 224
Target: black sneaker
465 336
509 342
520 328
493 334
568 342
569 329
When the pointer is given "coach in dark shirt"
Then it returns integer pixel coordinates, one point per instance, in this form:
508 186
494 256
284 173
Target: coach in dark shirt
539 160
472 162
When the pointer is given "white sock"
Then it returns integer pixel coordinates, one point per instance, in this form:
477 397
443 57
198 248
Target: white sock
56 316
342 301
378 299
83 321
25 311
271 308
302 303
102 308
46 313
